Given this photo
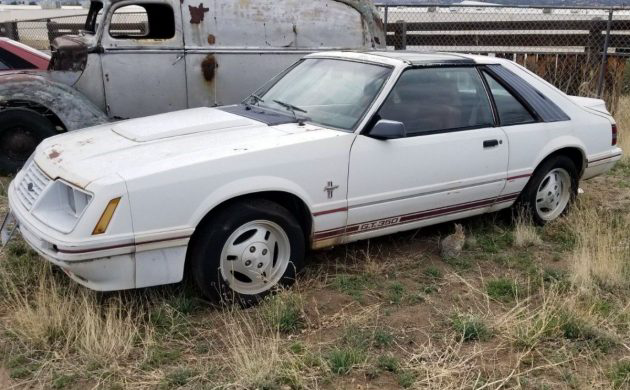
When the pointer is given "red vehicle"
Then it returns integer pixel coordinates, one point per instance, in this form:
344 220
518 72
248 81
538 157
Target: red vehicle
15 55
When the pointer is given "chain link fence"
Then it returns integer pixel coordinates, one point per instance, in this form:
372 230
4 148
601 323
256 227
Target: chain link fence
582 51
41 32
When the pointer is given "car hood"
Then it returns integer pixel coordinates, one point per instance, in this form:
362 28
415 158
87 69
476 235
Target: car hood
157 143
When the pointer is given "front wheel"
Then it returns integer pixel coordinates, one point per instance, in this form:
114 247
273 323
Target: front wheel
246 250
21 130
551 189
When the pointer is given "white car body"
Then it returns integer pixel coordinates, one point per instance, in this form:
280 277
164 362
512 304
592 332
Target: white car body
171 170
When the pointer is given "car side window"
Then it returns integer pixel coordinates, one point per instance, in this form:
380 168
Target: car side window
510 110
143 21
9 60
433 100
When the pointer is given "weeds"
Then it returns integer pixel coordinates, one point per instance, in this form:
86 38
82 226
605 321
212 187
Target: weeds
502 289
470 328
620 374
283 311
342 359
602 256
525 234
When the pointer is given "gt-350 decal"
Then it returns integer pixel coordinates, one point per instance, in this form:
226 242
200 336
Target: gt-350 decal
379 224
412 217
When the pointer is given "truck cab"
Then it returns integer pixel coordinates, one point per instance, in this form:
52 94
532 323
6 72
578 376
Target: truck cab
142 57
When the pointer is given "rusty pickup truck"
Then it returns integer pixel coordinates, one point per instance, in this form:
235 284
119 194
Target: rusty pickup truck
142 57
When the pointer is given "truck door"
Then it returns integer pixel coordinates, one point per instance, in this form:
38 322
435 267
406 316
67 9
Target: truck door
143 59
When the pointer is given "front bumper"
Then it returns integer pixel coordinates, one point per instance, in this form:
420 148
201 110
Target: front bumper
107 269
109 262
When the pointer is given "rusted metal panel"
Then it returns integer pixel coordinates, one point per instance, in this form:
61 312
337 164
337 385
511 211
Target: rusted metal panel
239 44
68 53
71 107
198 13
220 52
296 24
208 67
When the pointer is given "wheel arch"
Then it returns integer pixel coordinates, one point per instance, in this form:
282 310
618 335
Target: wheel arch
38 108
292 202
575 153
65 106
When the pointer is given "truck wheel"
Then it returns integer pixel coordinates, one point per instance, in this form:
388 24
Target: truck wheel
21 130
246 250
551 190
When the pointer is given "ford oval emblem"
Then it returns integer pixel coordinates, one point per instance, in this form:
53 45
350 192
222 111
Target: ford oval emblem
29 187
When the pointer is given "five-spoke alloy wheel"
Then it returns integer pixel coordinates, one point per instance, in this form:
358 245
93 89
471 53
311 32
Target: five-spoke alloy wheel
551 189
245 250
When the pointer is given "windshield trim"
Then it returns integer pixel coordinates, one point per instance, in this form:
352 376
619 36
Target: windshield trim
269 84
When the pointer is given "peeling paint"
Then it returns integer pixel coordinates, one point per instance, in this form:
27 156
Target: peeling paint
54 154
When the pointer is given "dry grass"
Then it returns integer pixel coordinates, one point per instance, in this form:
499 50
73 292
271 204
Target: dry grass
254 355
623 121
602 256
52 315
525 233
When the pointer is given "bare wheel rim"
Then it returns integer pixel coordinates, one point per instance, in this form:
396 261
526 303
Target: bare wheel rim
554 193
255 256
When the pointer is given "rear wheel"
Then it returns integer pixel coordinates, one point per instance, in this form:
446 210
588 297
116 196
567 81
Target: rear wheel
551 189
21 130
246 250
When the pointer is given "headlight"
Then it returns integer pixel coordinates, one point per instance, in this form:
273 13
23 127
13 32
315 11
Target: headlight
61 206
77 200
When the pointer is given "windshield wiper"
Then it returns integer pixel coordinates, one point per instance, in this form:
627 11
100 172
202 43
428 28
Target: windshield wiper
293 109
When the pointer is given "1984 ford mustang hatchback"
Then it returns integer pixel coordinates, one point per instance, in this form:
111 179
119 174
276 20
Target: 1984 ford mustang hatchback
341 147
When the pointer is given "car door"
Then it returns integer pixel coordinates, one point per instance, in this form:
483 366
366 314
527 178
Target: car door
451 163
143 68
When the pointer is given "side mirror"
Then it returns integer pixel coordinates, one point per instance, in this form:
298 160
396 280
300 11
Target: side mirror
386 129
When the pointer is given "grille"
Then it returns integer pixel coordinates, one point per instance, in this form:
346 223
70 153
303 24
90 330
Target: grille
33 183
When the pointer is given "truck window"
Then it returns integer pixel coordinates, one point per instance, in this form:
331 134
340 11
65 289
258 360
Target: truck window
143 21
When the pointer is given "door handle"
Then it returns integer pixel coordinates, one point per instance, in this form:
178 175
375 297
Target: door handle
490 143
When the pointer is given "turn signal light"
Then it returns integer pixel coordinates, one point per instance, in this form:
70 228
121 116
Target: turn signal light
103 223
614 135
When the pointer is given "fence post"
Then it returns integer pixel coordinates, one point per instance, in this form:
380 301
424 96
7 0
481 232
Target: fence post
400 35
11 30
602 70
52 29
385 11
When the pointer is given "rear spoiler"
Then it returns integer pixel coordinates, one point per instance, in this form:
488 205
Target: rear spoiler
591 103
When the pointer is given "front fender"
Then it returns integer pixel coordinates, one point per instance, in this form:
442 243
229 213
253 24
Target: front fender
72 108
247 186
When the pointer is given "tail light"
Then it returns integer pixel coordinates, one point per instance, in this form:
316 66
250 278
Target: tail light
614 134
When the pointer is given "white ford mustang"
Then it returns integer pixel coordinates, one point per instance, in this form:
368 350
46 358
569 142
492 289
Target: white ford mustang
341 147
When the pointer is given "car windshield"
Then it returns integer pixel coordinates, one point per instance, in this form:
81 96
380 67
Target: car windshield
329 92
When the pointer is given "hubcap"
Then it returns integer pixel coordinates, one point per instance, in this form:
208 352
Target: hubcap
553 194
255 257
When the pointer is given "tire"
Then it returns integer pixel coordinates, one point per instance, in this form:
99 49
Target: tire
260 240
21 130
551 190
